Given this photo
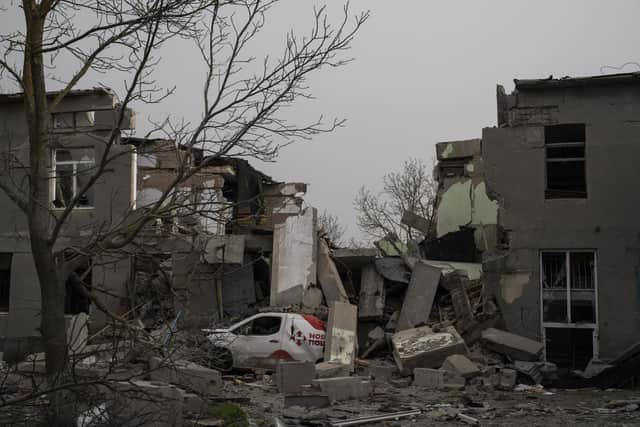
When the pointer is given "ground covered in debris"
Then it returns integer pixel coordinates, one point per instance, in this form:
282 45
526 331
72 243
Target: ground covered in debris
530 407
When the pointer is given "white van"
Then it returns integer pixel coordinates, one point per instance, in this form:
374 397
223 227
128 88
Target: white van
262 340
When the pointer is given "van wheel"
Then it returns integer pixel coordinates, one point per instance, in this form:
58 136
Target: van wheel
220 359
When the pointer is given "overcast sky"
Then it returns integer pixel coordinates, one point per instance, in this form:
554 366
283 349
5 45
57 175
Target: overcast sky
425 72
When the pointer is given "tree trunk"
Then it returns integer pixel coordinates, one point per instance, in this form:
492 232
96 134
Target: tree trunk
52 290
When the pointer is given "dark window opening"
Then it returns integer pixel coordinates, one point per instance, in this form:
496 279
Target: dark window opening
261 326
569 348
5 281
75 300
565 161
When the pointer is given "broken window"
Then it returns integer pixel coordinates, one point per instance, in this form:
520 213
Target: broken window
76 301
5 281
73 120
72 169
565 161
569 315
261 326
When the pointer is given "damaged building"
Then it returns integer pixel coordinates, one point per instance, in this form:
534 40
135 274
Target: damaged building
540 201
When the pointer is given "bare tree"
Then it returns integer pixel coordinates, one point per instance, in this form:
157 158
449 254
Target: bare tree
330 228
410 189
242 102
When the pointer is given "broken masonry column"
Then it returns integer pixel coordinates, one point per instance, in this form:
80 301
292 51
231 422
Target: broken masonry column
341 338
328 276
293 261
372 294
418 300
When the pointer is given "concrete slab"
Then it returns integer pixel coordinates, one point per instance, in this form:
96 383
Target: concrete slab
515 346
393 269
291 376
150 403
372 294
381 372
341 337
293 261
186 374
328 276
428 378
344 388
419 297
416 221
422 348
330 370
461 365
227 249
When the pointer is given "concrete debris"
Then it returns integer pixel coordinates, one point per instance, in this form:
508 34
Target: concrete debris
328 276
393 269
332 369
419 297
372 294
186 374
416 221
508 379
381 373
291 376
341 339
307 400
344 388
428 378
530 370
423 348
512 345
461 365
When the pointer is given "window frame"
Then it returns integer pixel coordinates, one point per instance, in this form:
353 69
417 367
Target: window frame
551 194
569 324
54 177
5 310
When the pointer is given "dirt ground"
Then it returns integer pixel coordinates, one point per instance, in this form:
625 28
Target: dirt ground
533 407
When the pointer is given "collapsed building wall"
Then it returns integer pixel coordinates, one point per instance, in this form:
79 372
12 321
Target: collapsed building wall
559 164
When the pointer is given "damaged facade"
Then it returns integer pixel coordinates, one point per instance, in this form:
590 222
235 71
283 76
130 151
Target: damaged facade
541 200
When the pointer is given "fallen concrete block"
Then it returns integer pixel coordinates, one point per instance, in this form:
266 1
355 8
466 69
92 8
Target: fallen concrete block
419 297
33 364
422 348
328 276
461 365
508 378
530 370
291 376
184 373
416 221
307 400
376 334
344 388
381 372
514 346
393 269
149 403
341 338
331 369
428 378
453 381
372 294
193 403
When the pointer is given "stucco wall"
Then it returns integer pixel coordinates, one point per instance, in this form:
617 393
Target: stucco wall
606 221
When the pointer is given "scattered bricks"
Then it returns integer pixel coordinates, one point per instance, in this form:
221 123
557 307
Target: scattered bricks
183 373
344 388
381 372
149 403
428 378
307 400
512 345
331 370
291 376
508 379
422 348
461 365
